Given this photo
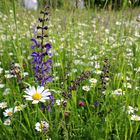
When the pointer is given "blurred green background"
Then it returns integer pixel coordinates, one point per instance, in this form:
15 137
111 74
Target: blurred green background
68 4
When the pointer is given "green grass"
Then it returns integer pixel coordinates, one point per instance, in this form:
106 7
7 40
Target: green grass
81 41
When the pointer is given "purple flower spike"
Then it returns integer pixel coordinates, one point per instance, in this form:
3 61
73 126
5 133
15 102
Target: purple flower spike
42 65
51 102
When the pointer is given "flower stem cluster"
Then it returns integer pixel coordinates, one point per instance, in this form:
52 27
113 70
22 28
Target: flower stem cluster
104 80
15 71
105 74
76 83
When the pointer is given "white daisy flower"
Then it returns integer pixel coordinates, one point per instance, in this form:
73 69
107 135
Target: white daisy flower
8 76
29 57
132 109
6 91
41 126
127 85
118 92
8 112
97 65
7 122
93 81
48 139
118 23
86 88
135 118
58 102
98 72
19 107
57 64
2 85
25 74
3 105
56 78
37 95
1 70
74 70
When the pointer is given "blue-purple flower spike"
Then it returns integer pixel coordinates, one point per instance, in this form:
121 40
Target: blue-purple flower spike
42 56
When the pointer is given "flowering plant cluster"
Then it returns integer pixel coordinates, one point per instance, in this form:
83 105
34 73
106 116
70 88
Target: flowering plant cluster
75 84
42 65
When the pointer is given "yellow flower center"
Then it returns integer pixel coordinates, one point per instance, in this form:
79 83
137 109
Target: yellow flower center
19 108
41 126
37 96
119 90
10 113
136 119
3 105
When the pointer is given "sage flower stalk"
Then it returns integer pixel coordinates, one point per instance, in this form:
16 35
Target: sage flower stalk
41 55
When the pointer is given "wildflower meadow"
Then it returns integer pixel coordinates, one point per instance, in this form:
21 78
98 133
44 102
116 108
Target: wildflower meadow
69 73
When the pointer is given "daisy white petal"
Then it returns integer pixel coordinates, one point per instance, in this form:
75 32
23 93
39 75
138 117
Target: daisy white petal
47 98
45 93
40 89
35 102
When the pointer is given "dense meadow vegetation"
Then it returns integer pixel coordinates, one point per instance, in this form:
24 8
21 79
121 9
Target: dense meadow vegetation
74 76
